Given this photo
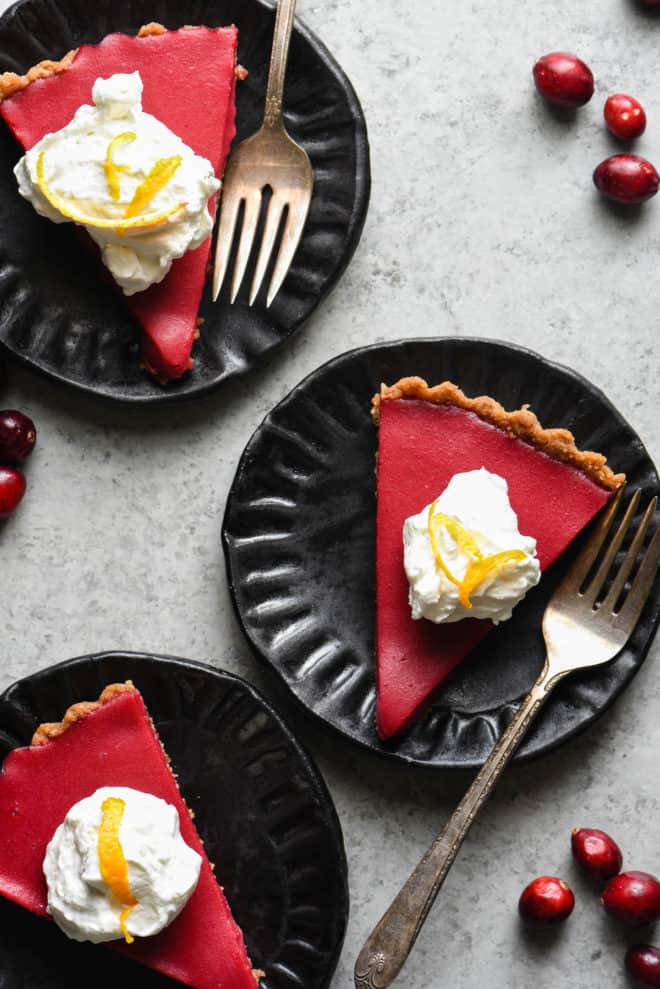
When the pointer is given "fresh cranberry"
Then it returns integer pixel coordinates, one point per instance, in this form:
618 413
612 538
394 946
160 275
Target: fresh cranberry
633 898
17 436
627 179
546 900
564 79
624 117
596 853
12 489
643 963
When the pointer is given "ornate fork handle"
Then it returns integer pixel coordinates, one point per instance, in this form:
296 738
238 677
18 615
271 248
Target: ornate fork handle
391 941
278 60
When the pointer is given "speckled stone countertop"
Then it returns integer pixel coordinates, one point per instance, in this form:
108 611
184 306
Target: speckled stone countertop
483 221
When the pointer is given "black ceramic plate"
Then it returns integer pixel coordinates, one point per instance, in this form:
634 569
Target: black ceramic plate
261 808
59 316
299 536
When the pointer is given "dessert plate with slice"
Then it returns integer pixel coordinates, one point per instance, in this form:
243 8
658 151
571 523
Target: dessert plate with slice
320 578
113 297
270 902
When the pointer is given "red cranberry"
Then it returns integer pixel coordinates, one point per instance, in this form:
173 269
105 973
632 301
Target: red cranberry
624 117
12 489
643 963
633 898
17 436
564 79
596 853
627 179
546 900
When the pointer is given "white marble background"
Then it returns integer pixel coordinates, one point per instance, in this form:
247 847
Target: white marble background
483 221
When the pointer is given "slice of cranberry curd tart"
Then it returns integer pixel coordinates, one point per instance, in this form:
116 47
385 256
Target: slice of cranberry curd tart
97 836
457 476
186 84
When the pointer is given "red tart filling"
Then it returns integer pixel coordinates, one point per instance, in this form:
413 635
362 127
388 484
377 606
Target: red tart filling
113 744
189 79
422 444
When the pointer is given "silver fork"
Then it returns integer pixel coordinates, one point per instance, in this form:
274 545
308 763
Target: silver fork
579 632
268 159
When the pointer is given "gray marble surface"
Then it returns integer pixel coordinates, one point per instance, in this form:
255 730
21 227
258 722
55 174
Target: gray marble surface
483 221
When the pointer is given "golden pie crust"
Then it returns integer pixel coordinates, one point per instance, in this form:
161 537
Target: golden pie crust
11 82
53 729
521 423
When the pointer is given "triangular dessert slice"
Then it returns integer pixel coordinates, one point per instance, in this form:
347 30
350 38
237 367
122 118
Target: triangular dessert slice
189 80
425 436
112 742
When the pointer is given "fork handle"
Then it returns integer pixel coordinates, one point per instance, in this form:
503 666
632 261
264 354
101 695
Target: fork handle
391 941
278 60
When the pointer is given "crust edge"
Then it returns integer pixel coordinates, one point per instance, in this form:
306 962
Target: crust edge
11 82
521 423
53 729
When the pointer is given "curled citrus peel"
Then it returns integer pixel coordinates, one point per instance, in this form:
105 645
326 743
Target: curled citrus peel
72 210
111 859
111 168
157 178
479 567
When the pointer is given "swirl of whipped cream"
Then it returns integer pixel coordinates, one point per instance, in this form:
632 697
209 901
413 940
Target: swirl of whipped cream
479 502
75 160
162 869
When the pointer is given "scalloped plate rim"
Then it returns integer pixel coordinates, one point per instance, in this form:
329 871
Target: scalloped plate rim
381 751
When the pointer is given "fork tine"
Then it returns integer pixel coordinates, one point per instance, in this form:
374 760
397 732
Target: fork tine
592 592
629 561
229 207
249 229
585 559
642 584
295 223
273 218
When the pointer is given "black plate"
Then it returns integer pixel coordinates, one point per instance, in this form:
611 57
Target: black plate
59 316
261 808
299 535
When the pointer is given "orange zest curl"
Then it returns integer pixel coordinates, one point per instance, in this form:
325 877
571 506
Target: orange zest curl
480 569
111 168
479 566
462 538
75 211
111 859
157 178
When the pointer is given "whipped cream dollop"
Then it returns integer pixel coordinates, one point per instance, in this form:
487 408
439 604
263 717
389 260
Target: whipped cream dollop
478 502
162 870
75 165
